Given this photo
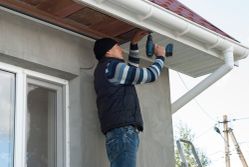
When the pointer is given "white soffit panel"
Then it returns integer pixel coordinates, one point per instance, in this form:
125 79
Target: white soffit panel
185 59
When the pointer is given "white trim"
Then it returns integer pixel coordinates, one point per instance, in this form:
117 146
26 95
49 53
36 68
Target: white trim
19 151
46 77
21 108
24 120
19 141
10 68
65 94
67 126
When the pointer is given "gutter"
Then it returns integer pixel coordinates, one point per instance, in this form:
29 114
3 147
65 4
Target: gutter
151 16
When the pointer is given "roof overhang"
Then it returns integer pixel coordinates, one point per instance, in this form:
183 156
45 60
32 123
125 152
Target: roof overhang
198 50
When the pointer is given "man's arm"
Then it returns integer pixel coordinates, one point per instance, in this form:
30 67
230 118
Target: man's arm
120 73
133 57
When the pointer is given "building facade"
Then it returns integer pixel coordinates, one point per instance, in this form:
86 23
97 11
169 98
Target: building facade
48 110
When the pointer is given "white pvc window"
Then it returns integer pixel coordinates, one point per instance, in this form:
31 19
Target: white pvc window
34 119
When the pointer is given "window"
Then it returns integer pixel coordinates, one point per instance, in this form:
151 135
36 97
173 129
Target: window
7 105
33 119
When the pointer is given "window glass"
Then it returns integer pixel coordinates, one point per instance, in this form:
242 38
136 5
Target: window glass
7 105
41 127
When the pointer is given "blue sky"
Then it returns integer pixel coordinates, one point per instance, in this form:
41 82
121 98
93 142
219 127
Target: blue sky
227 96
4 151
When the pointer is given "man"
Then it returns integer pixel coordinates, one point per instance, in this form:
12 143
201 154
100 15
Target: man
117 101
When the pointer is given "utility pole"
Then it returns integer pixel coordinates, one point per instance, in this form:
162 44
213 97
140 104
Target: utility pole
226 139
228 131
241 156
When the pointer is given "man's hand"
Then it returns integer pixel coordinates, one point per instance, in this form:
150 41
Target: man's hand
159 50
138 36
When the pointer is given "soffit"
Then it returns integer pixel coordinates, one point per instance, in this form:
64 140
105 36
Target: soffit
78 18
185 59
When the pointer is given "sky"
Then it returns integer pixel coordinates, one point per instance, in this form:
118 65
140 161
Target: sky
227 96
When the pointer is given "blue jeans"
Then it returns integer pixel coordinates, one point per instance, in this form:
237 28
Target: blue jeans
121 146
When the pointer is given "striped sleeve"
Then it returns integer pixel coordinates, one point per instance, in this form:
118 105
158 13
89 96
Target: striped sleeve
133 57
120 73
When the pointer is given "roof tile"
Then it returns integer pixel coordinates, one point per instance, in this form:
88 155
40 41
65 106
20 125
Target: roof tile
180 9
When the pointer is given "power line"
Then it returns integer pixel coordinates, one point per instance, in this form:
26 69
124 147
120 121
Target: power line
204 111
183 82
198 104
203 133
216 159
243 142
238 119
216 152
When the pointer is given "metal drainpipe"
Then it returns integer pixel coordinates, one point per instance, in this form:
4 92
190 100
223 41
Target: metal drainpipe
203 85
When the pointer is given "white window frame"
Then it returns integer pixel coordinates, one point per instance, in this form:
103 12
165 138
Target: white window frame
20 111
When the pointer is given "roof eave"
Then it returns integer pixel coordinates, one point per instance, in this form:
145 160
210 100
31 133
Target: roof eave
148 15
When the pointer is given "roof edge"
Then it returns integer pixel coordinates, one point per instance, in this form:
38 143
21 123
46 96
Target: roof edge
149 15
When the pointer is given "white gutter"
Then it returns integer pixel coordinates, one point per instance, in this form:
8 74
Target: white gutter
204 84
144 13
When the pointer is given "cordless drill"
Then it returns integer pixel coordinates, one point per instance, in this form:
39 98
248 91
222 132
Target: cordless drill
150 47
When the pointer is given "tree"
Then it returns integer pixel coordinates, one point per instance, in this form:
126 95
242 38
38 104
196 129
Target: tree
183 132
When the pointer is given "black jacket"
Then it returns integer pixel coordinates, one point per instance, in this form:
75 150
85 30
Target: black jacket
118 105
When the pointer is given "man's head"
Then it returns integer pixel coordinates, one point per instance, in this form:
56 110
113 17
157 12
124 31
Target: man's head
107 47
